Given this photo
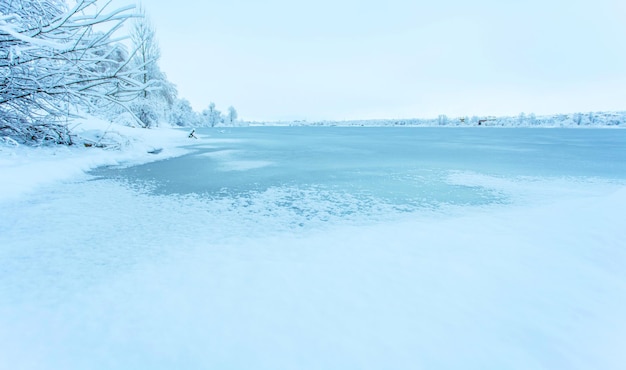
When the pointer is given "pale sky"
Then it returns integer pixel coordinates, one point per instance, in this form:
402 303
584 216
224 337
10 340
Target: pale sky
349 59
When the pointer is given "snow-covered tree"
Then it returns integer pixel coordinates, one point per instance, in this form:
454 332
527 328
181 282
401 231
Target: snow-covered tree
161 93
232 115
183 115
211 116
143 37
52 59
521 119
592 118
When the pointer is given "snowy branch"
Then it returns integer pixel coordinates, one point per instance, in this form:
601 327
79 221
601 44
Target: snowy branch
51 58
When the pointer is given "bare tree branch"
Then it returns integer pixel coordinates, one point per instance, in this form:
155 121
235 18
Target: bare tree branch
51 58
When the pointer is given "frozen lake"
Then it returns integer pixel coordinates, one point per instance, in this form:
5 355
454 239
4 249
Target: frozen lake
402 169
327 247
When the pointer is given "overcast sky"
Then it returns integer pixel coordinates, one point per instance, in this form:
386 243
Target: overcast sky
357 59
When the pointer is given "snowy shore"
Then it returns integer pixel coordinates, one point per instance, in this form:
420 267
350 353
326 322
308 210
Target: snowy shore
25 168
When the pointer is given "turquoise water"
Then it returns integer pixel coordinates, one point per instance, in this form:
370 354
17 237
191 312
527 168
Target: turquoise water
407 168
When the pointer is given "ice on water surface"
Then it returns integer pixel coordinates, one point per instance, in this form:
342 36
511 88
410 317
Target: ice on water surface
346 248
403 169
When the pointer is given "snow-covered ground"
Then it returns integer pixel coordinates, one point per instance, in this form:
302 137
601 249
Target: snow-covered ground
24 168
428 249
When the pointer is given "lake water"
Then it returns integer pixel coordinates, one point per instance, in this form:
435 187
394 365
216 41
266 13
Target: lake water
375 170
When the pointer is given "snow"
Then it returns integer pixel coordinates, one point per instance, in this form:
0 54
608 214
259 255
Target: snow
118 270
25 169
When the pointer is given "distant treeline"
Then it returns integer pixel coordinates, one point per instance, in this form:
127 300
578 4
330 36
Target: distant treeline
590 119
